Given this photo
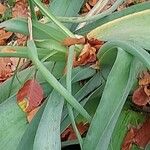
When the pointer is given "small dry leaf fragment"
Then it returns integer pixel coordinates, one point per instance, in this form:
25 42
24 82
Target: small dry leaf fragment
2 9
95 43
20 9
144 79
87 55
30 95
31 114
89 51
14 61
142 137
139 97
21 39
72 41
69 133
147 90
128 140
46 2
5 69
88 6
92 2
8 65
139 136
4 36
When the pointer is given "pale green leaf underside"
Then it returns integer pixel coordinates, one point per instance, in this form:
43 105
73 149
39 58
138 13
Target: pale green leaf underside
134 27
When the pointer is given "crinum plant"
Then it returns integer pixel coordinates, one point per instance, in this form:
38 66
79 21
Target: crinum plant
103 101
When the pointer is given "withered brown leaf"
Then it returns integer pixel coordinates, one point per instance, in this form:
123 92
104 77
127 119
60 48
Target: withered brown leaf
30 95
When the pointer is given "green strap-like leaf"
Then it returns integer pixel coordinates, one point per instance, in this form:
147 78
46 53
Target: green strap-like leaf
12 124
134 27
48 132
111 99
40 31
135 68
118 14
132 48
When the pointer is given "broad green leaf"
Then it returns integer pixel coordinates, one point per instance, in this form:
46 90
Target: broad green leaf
13 124
110 100
48 131
66 7
85 73
132 48
21 52
134 28
136 67
27 139
91 85
40 31
51 45
113 16
111 104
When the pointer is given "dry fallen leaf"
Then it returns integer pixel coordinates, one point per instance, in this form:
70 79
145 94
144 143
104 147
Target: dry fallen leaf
128 140
147 90
95 43
8 65
21 39
139 97
69 133
87 55
2 9
4 36
144 78
30 95
89 51
5 69
20 9
72 41
139 136
142 137
92 2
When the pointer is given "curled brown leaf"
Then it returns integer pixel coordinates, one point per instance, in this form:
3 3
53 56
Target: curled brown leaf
144 78
139 97
87 55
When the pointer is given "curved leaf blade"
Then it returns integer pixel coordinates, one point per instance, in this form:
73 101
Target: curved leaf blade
117 78
134 27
